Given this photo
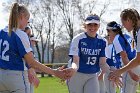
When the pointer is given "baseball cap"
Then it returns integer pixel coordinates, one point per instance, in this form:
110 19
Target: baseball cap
92 19
34 39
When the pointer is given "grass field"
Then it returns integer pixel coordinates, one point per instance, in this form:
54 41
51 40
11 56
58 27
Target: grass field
53 85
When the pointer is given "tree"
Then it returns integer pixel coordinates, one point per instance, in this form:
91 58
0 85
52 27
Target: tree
45 27
67 11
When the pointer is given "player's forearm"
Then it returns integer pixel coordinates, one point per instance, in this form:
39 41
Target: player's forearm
37 65
135 62
124 57
103 65
125 60
75 63
41 67
105 68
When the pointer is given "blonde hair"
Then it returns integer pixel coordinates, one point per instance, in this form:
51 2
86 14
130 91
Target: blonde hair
15 13
131 14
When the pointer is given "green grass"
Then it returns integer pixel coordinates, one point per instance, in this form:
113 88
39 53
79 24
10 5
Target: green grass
51 85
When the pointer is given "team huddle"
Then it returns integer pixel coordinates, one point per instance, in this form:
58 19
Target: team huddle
97 64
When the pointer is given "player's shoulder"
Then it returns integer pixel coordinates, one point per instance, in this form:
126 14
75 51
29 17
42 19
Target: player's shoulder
117 38
101 38
79 36
4 32
21 34
4 29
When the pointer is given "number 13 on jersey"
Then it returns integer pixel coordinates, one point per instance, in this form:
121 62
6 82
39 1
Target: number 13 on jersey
91 60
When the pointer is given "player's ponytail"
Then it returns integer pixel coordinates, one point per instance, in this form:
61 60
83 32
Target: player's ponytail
13 18
16 11
132 15
136 23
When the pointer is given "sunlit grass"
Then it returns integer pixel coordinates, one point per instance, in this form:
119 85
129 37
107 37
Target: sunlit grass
53 85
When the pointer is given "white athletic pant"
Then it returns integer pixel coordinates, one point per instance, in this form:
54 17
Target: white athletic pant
109 86
14 81
102 86
84 83
31 88
129 85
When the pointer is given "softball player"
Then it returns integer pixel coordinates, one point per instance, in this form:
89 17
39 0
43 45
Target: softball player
15 50
111 61
33 79
124 52
88 52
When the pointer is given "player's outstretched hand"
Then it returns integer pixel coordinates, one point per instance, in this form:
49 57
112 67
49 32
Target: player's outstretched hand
36 81
33 79
118 82
114 74
60 73
69 72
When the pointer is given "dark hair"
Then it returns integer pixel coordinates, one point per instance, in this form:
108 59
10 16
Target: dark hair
26 28
31 36
115 27
133 15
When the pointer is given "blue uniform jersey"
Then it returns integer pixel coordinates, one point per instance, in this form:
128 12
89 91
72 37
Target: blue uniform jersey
13 48
89 51
120 45
111 56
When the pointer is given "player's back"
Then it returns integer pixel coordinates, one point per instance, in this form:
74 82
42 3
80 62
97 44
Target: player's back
131 52
120 45
13 47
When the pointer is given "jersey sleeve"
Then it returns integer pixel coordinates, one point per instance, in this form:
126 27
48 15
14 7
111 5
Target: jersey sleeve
119 45
23 44
74 50
138 41
108 51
